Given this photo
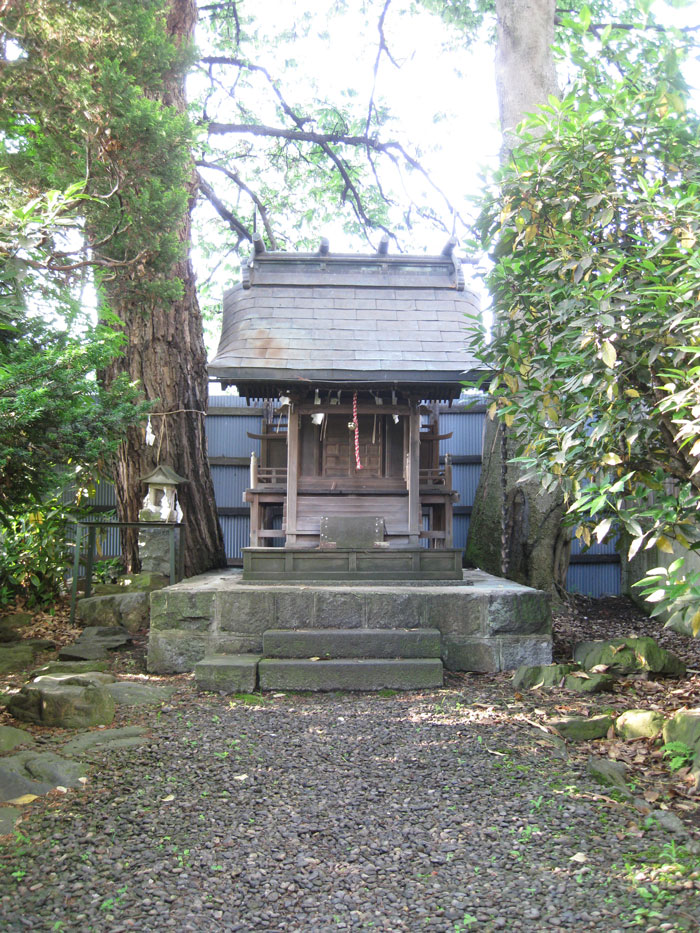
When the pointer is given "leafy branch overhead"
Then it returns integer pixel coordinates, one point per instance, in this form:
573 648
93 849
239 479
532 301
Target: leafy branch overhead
594 226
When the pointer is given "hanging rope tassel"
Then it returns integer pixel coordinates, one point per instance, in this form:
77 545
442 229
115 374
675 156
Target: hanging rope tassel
357 432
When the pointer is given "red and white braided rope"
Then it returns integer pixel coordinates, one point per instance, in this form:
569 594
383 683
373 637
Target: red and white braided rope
357 432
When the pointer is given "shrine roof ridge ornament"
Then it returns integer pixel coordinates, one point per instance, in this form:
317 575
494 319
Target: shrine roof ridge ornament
378 269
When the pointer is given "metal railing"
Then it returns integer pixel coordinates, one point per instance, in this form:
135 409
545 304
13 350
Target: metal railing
177 567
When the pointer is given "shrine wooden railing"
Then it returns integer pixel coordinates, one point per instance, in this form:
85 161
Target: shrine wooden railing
266 476
441 476
272 476
277 476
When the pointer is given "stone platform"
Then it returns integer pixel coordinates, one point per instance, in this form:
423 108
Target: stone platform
486 624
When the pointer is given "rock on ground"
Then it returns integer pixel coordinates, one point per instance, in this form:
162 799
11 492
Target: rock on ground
64 705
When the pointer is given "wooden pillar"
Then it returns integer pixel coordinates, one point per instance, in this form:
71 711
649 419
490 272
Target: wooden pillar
292 473
413 476
448 502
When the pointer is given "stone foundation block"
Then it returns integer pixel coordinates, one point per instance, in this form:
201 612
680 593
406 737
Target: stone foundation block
171 606
230 643
248 612
518 614
481 655
456 614
175 651
293 609
339 609
228 673
396 608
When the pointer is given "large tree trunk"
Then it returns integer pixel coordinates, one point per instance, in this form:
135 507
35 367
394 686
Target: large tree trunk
165 354
515 527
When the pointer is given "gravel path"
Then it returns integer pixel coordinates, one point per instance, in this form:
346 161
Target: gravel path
417 812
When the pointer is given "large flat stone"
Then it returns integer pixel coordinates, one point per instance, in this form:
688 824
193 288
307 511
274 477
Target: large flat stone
352 643
80 679
132 693
350 674
16 657
12 738
528 677
105 738
16 783
228 673
69 667
66 706
54 769
83 651
628 655
8 819
578 729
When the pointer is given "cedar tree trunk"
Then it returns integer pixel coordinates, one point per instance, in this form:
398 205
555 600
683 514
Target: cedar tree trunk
521 537
165 354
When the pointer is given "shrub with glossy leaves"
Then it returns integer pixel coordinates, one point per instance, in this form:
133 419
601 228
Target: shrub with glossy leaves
595 230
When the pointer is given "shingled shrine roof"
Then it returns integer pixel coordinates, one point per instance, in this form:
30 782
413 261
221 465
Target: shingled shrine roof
337 319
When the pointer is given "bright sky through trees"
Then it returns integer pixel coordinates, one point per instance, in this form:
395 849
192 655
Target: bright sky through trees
440 96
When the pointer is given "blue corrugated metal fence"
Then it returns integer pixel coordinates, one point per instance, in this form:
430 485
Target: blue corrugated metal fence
595 572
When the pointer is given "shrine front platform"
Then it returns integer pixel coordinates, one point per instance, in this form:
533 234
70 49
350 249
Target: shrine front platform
486 624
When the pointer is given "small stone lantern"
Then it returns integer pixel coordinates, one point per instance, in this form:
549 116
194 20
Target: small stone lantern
161 498
159 505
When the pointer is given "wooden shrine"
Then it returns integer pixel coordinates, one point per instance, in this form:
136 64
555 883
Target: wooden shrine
351 354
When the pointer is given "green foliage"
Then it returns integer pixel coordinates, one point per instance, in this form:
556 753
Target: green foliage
54 417
88 86
594 226
679 755
34 555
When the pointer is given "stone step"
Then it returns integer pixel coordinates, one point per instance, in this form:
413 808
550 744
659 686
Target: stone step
227 673
350 674
351 643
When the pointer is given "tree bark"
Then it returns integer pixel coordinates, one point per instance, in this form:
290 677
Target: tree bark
516 528
525 72
165 353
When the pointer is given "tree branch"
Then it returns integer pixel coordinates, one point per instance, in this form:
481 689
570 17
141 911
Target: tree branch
228 216
383 47
238 181
302 135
